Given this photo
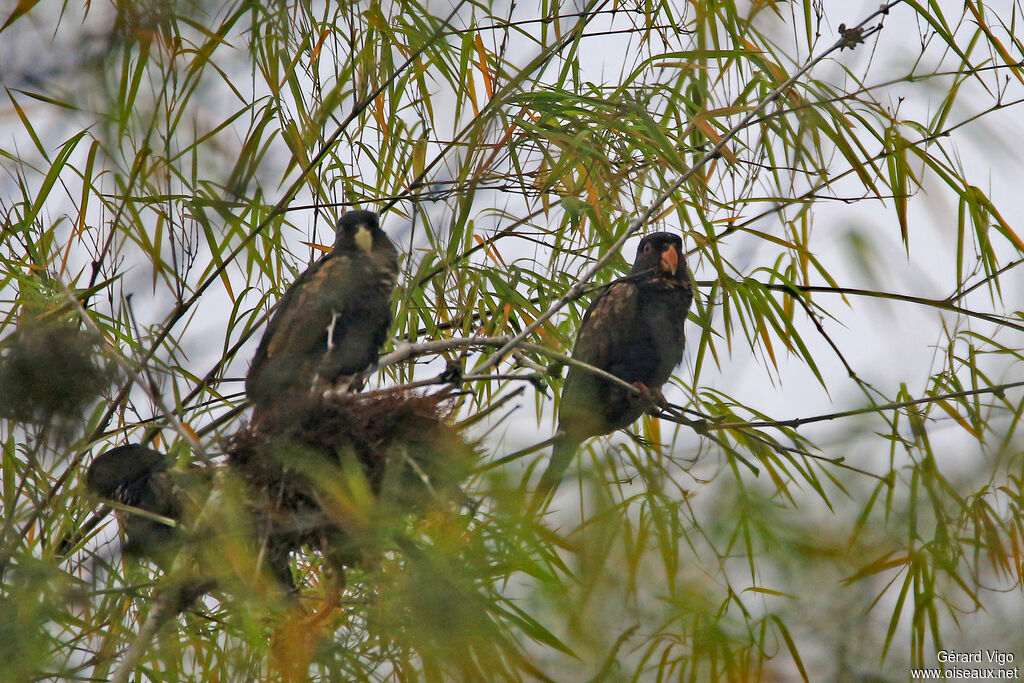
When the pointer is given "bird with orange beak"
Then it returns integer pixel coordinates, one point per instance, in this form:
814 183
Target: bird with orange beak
633 330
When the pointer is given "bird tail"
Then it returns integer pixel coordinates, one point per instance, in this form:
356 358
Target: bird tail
562 453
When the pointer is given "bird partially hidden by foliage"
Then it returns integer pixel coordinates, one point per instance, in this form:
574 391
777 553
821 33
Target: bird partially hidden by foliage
153 500
138 477
331 322
344 479
633 330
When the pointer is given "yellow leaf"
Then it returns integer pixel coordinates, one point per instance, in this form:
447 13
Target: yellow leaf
471 91
763 331
592 197
318 247
378 113
191 432
315 53
482 55
959 419
21 8
709 130
491 250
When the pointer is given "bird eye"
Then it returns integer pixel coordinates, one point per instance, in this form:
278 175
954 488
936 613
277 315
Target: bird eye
647 248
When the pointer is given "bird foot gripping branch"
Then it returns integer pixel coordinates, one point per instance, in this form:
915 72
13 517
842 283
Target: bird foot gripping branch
648 398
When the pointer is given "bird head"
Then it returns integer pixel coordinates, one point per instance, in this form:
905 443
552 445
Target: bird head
661 253
123 468
359 230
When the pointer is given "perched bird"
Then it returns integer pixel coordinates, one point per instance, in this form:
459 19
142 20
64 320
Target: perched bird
332 320
137 476
633 330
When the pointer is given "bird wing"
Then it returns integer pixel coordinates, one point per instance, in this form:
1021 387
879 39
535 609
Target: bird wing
603 338
310 304
298 329
606 327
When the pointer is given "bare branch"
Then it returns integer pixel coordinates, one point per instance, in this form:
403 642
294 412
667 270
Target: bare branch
158 613
944 304
710 423
406 351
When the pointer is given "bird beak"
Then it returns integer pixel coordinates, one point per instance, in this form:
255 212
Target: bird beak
669 260
364 238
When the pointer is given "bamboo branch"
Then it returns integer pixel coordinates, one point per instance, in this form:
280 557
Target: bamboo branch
405 351
944 304
576 290
147 632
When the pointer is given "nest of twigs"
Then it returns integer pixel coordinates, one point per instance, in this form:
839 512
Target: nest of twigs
50 369
330 468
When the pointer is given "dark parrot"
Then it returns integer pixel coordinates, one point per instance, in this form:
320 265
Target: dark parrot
140 477
332 320
633 330
137 476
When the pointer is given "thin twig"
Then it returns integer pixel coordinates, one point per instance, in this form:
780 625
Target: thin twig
1009 266
943 304
815 318
795 423
157 614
